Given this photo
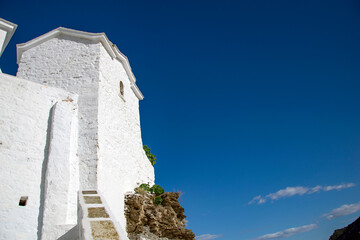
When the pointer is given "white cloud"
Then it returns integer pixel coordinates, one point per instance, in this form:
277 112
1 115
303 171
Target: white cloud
288 232
299 190
339 187
288 192
255 199
343 210
262 200
207 237
315 189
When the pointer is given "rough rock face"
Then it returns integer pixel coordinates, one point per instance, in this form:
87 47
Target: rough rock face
351 232
150 221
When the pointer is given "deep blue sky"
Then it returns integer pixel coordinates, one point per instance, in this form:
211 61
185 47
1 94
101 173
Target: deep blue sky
242 98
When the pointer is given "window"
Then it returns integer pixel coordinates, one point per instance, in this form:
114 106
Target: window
23 201
121 95
121 89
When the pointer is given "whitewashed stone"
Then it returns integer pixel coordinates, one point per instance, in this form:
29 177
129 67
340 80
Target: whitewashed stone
71 64
123 163
24 134
111 158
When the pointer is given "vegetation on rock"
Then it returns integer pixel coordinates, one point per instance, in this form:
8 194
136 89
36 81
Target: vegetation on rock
150 156
145 187
145 217
158 200
155 189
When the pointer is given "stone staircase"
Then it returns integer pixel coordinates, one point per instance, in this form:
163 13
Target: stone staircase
95 221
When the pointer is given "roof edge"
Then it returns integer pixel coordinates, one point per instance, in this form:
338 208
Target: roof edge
137 92
112 49
10 28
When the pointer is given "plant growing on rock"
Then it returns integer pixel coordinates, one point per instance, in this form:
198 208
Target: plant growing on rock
151 217
145 186
150 156
158 200
143 189
155 189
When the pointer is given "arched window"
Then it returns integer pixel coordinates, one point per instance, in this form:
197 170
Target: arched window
121 89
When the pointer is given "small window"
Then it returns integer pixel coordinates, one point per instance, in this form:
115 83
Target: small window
23 201
121 89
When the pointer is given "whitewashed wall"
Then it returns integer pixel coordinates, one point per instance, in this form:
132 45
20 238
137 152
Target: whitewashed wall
72 64
111 156
122 161
25 126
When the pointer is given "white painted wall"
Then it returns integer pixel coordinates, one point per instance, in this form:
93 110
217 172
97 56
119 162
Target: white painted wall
72 64
122 161
24 127
110 146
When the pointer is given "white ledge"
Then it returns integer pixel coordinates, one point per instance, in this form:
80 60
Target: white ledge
10 28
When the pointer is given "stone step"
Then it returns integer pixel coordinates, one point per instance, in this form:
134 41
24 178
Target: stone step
104 230
89 192
96 223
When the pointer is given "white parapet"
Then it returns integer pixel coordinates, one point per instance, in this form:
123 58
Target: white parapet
7 30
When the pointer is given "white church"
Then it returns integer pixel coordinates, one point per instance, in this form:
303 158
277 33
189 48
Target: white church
70 138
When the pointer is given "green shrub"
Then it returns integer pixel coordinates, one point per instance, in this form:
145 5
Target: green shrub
145 186
158 200
157 190
150 156
142 189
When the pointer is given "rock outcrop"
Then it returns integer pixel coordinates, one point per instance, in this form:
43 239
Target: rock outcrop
351 232
151 221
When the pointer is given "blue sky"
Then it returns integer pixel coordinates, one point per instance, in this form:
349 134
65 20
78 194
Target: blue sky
242 99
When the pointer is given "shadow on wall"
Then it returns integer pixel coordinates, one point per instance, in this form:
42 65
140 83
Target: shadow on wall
43 175
72 234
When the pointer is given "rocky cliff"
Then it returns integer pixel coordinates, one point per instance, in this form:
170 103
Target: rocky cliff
351 232
148 220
